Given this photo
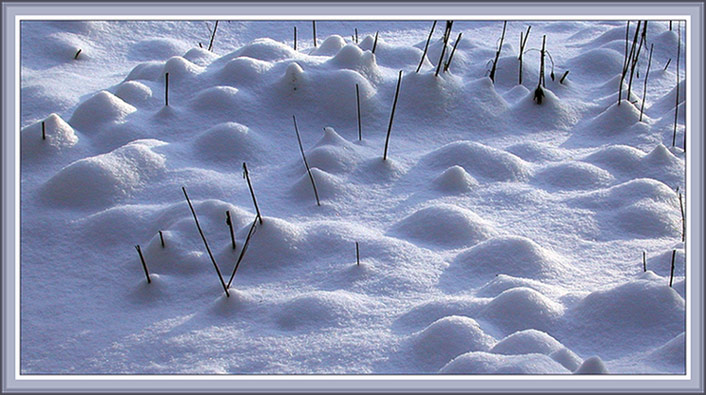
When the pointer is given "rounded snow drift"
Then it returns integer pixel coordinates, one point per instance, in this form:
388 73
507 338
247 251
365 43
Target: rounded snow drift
592 365
228 142
574 175
479 160
530 341
523 308
446 338
134 92
318 309
455 179
59 136
445 225
479 362
101 108
512 255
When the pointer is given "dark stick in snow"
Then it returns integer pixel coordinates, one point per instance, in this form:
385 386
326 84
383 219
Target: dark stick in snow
295 38
144 265
563 77
392 115
357 101
453 50
242 252
213 35
77 53
44 133
426 46
667 65
671 274
161 238
375 43
313 25
644 261
644 89
356 35
357 253
497 54
166 89
246 175
523 42
539 93
683 219
229 222
203 237
676 106
308 170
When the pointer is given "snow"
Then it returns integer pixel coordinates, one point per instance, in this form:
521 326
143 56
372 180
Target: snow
500 236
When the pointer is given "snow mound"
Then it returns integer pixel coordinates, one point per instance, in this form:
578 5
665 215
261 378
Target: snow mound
200 56
648 219
512 255
104 179
574 175
455 180
353 58
523 308
216 99
503 282
327 185
294 78
243 71
479 362
134 93
479 160
103 107
592 365
275 243
671 353
615 120
552 114
566 358
660 156
530 341
515 94
318 309
619 157
174 257
333 159
149 71
533 151
229 142
330 46
445 225
59 136
665 104
426 313
638 312
623 194
265 49
157 49
179 68
661 264
447 338
596 64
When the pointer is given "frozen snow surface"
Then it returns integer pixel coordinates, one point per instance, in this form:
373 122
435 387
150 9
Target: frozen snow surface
500 236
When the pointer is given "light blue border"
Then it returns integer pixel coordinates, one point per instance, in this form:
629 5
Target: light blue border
372 383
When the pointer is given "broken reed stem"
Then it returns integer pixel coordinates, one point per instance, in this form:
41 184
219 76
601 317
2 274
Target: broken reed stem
44 133
313 24
213 35
295 38
453 50
563 77
357 101
77 53
671 274
203 237
683 219
356 35
539 93
161 238
375 43
541 65
229 222
523 42
308 170
144 265
246 175
242 252
627 60
667 65
392 115
497 53
676 106
644 89
357 253
426 46
447 33
636 56
644 261
166 89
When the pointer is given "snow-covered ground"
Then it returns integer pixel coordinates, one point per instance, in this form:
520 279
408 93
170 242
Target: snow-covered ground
499 236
